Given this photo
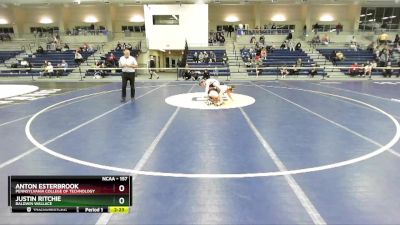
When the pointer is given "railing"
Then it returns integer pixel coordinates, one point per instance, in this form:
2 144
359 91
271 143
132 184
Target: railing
264 31
213 70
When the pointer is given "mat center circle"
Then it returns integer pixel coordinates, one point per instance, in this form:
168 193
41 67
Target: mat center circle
198 100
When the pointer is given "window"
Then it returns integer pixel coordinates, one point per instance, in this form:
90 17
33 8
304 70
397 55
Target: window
133 28
165 19
44 30
6 30
380 17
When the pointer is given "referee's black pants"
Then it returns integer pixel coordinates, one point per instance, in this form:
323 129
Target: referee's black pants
128 76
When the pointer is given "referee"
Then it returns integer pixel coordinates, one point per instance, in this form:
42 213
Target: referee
128 64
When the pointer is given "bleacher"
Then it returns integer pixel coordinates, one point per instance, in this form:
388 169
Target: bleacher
350 57
284 57
37 61
217 68
118 54
6 55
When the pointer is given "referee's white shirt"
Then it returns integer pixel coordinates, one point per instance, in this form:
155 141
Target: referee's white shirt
129 61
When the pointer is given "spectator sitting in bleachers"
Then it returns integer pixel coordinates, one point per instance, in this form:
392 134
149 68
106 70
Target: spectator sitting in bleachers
58 48
354 46
284 71
264 53
195 57
225 58
298 46
78 57
289 36
299 62
262 40
284 45
99 73
187 75
291 46
219 38
253 40
316 40
49 70
313 72
373 65
354 69
119 47
86 48
66 47
112 61
206 58
213 57
64 65
325 39
293 71
387 72
201 57
270 49
339 56
384 58
206 75
367 70
129 47
40 50
24 63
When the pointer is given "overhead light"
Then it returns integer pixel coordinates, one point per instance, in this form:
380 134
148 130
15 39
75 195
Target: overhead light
362 15
136 19
3 21
46 20
385 18
369 14
371 20
231 19
326 18
391 17
176 18
278 17
332 30
91 19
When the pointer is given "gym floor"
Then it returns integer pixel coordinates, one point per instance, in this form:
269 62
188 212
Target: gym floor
320 152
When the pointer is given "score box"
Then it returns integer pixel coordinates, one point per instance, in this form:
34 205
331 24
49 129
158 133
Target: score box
90 194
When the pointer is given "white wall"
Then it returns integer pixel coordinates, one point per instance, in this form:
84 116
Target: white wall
193 26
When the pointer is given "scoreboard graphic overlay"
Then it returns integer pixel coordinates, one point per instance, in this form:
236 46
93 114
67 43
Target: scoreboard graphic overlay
69 194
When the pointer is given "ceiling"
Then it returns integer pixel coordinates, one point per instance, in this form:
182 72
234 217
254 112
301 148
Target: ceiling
4 3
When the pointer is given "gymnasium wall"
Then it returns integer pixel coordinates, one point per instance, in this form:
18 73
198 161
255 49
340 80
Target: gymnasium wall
193 26
299 15
197 22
